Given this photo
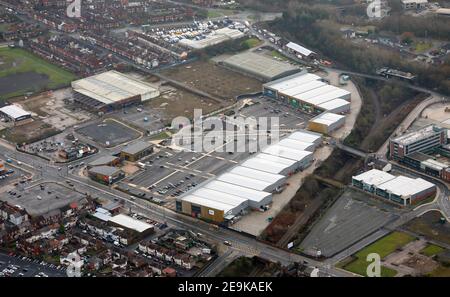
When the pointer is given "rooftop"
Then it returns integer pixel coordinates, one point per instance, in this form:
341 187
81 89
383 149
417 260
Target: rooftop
105 170
130 223
112 86
374 177
300 49
327 118
137 147
417 135
102 160
404 186
260 65
14 111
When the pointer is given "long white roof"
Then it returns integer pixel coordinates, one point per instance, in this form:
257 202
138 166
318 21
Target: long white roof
244 181
327 118
302 88
374 177
297 144
236 190
14 111
272 158
333 104
337 93
300 49
265 165
284 152
324 89
208 203
405 186
306 136
257 174
130 223
292 81
220 197
111 86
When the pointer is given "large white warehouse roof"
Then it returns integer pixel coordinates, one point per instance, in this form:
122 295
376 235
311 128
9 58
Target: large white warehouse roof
336 105
130 223
265 165
244 181
327 118
284 152
209 203
302 88
236 190
292 81
14 111
306 136
374 177
405 186
112 86
257 174
272 158
297 144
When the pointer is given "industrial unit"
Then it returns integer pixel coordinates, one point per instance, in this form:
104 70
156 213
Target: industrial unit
104 161
399 189
250 184
15 114
259 66
326 123
300 50
111 90
136 151
309 93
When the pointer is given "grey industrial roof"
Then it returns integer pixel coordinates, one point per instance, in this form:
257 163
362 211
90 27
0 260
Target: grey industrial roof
102 160
260 65
104 170
137 147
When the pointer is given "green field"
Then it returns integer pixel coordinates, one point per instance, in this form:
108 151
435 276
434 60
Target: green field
17 61
383 247
431 250
251 42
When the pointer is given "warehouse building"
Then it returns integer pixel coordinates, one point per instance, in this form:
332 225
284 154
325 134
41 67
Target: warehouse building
307 136
110 91
290 165
15 114
261 67
268 166
136 151
309 93
249 185
297 144
399 189
326 123
303 158
277 181
423 140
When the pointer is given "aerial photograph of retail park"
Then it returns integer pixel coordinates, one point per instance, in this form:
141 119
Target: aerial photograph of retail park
216 138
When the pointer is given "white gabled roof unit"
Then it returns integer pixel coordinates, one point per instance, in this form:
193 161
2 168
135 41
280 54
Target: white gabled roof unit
336 106
266 166
306 136
14 111
405 186
299 49
303 88
256 198
374 177
246 182
297 144
225 207
292 81
284 152
258 175
335 94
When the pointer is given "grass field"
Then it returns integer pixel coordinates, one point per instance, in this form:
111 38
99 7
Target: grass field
16 61
251 42
383 247
431 250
